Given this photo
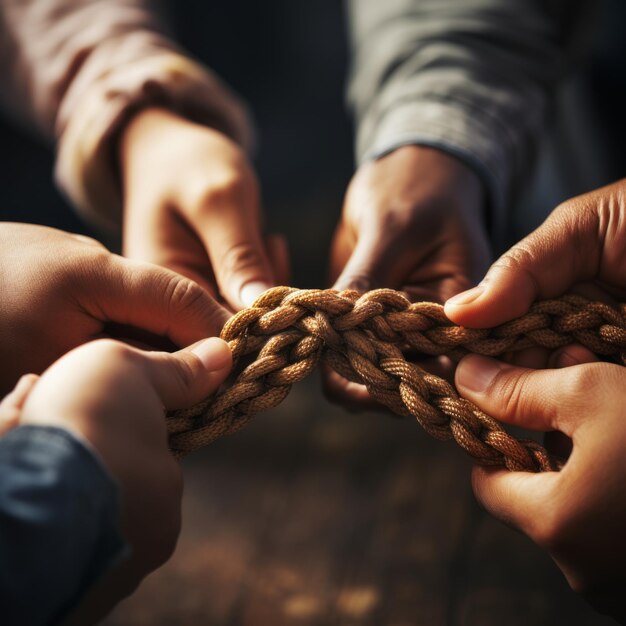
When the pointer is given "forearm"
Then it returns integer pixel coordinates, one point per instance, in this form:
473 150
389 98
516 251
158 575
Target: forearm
78 70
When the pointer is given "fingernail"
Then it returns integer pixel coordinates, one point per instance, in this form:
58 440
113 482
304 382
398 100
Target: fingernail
214 354
475 372
467 297
252 290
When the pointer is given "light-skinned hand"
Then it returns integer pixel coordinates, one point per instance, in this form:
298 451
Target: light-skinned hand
192 204
413 221
61 290
114 397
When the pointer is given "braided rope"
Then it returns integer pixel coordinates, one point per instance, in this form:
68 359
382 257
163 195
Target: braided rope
362 337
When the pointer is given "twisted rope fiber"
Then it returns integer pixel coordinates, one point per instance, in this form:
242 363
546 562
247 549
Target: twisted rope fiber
362 337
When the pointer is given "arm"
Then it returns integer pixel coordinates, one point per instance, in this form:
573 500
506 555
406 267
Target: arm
450 98
144 136
87 472
77 71
56 500
473 79
64 290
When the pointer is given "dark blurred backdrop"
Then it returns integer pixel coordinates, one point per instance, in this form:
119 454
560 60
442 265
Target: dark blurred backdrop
311 515
289 60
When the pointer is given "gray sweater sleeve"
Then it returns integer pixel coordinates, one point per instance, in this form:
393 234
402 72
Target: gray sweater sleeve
471 77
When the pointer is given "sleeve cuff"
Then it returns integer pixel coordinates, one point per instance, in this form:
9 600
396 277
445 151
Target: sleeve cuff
91 119
59 523
452 128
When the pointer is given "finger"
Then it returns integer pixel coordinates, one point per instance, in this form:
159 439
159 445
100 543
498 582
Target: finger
278 254
156 300
536 399
368 266
520 499
12 404
543 265
189 376
234 244
163 238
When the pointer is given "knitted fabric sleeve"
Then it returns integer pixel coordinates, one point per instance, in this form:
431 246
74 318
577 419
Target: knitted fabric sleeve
76 70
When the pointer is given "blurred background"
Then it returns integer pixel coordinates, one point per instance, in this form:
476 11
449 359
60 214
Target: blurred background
312 515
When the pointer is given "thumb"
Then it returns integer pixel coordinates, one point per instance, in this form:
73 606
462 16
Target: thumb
189 376
561 252
535 399
524 398
156 300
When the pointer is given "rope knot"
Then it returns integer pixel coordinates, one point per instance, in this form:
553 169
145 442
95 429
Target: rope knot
363 337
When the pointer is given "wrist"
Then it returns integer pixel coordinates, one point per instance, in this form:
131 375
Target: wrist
445 174
143 129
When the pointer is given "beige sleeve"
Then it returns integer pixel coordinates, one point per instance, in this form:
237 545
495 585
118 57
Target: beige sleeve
77 69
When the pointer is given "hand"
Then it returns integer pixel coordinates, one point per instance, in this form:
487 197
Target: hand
12 404
61 290
191 203
578 514
581 246
412 220
114 396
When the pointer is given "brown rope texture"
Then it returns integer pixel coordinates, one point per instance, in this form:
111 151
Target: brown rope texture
288 332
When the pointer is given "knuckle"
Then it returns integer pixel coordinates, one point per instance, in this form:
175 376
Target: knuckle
227 187
520 261
185 374
519 258
185 295
239 257
583 380
591 386
510 393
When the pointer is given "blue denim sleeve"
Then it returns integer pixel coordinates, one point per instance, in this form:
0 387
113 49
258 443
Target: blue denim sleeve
59 517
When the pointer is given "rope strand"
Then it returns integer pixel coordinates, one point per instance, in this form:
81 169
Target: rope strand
363 337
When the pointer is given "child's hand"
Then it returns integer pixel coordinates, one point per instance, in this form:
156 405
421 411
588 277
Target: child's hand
191 203
578 514
581 243
115 397
61 290
411 221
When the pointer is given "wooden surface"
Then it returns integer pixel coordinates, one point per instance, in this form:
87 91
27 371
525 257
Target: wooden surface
315 516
